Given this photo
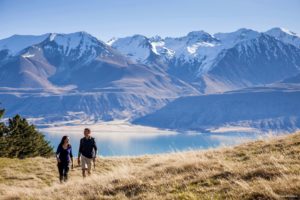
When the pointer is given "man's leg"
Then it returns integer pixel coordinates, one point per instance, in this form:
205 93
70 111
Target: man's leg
83 173
83 166
89 165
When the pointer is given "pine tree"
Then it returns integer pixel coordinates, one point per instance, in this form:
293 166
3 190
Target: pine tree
21 140
25 140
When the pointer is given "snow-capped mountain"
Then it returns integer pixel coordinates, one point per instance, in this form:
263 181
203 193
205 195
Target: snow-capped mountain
54 60
141 48
259 61
76 76
196 57
76 72
78 45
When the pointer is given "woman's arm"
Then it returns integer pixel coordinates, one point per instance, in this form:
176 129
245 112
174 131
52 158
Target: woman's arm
58 150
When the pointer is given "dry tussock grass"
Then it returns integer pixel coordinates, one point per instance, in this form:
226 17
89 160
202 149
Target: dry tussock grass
257 170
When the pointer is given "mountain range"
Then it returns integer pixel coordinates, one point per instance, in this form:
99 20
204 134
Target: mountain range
195 81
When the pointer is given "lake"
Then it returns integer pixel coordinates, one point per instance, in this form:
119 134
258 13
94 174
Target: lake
123 139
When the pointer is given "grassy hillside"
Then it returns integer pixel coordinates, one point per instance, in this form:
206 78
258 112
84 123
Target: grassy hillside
256 170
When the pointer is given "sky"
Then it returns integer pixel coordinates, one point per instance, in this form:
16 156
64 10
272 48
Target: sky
118 18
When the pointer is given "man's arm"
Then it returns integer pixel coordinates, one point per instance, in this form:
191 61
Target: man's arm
79 151
71 156
95 148
95 151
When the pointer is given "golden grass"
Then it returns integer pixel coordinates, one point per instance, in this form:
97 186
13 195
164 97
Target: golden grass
268 169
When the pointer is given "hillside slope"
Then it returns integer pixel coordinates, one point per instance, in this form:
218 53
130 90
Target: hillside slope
268 169
271 107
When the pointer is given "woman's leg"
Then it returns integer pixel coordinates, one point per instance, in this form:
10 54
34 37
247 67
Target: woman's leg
66 171
60 170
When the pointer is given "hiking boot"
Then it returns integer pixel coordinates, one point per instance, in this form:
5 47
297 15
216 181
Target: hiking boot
61 179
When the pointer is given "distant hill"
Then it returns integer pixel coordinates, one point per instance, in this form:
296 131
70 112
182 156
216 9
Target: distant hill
273 107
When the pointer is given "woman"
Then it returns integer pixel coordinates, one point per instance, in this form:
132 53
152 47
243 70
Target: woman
64 156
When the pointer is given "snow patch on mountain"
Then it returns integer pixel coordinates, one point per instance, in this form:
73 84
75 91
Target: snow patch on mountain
228 40
27 55
78 40
187 47
111 41
137 47
285 35
278 29
158 47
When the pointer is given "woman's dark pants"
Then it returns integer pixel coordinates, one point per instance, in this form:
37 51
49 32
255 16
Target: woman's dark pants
63 169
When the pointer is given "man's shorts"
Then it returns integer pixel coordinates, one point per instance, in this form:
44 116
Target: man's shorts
86 163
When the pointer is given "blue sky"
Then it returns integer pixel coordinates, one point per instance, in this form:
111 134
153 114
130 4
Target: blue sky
107 18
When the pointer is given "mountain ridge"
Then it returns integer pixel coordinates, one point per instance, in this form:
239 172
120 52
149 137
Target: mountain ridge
131 77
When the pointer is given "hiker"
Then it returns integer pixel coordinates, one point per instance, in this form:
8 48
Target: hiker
87 152
64 156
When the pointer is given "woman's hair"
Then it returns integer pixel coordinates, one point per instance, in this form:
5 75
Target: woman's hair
63 140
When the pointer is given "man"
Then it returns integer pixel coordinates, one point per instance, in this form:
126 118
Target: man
87 152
